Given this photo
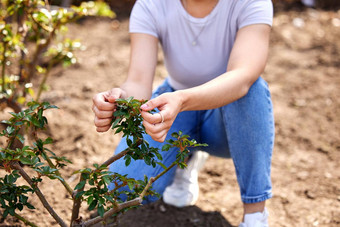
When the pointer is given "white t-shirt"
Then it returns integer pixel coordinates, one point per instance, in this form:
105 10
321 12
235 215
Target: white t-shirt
190 65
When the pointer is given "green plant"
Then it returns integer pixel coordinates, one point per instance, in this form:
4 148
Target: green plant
92 187
32 43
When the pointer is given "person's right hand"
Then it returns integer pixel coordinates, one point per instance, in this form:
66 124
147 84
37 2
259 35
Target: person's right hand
104 106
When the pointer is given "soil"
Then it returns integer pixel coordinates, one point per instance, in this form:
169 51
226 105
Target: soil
303 75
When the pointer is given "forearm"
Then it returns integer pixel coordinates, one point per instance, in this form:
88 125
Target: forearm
247 62
143 60
218 92
136 90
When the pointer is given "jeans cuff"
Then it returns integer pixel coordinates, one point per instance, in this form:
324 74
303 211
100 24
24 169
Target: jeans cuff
257 199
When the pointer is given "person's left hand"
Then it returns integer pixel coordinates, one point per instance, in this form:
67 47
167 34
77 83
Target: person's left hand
158 124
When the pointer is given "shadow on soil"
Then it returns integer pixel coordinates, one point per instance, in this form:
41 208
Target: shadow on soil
162 215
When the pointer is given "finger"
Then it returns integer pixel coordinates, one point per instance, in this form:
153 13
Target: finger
113 94
103 129
152 118
102 122
152 104
157 132
102 113
153 128
101 102
159 138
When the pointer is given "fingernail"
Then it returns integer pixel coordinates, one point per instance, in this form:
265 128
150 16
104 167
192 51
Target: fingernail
144 106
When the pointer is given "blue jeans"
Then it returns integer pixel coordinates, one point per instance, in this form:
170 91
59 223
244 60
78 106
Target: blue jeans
242 130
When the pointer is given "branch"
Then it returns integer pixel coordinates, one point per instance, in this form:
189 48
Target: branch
120 155
43 82
24 220
115 157
50 163
119 207
76 203
11 140
3 68
130 203
39 194
39 49
153 179
22 30
11 104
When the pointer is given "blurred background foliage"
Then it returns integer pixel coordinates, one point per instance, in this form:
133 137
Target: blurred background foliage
32 42
123 7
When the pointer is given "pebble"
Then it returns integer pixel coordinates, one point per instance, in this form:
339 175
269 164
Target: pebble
309 194
162 208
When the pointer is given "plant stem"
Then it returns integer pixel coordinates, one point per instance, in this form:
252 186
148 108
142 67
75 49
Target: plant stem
24 220
11 140
130 203
40 47
115 157
166 170
3 68
47 5
153 179
76 203
43 82
50 163
22 31
11 104
39 194
120 155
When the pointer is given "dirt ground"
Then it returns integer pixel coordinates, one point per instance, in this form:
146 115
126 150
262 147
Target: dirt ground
303 75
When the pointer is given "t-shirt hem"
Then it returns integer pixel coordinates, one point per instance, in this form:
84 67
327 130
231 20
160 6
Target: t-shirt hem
144 32
269 22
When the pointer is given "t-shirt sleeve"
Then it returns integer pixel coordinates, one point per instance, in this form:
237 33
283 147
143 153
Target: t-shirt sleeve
256 12
143 18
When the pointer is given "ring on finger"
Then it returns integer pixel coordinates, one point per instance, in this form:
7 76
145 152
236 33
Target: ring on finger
162 117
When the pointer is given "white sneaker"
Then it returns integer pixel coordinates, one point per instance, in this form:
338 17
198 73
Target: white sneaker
184 189
259 219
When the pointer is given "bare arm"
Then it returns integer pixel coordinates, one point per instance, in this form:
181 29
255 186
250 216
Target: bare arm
247 62
143 60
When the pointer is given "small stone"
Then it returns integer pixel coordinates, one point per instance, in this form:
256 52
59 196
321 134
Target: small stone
162 208
309 194
87 87
195 220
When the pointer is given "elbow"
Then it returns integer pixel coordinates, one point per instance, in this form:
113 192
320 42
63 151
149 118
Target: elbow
244 90
247 83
